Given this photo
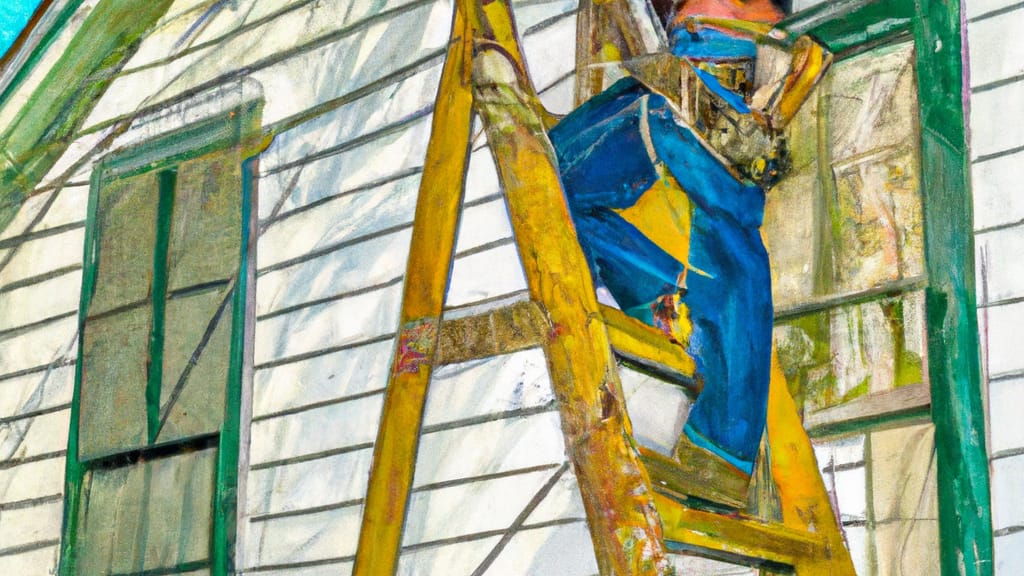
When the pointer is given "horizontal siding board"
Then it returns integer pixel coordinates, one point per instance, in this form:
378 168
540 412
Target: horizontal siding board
482 224
29 211
563 549
983 9
39 347
485 275
563 502
36 561
1000 252
1005 400
70 207
459 558
1009 554
34 392
990 127
305 485
299 539
489 386
998 190
347 321
1003 350
313 431
545 50
488 448
992 57
41 255
324 378
1007 496
40 301
31 480
559 97
443 513
481 176
25 526
31 437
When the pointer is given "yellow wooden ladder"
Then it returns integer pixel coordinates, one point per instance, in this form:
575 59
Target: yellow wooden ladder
637 507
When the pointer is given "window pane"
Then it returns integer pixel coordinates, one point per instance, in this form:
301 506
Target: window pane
850 351
113 402
876 209
197 353
180 509
848 215
206 225
796 225
126 219
109 520
905 503
148 515
872 102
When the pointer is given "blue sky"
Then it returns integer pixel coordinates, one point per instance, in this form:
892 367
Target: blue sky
14 14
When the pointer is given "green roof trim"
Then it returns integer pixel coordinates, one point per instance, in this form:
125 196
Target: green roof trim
42 129
51 34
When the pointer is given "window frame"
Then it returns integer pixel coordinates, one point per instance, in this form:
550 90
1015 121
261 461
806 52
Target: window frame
237 127
956 408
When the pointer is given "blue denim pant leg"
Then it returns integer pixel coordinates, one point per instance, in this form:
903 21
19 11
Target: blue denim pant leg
731 313
633 268
731 306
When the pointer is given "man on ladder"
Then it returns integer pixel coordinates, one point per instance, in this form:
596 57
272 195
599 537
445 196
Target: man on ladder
668 201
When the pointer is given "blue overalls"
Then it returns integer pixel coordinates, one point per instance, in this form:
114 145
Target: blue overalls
612 151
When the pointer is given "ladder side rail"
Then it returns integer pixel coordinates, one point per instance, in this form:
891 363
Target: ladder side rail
428 268
610 34
806 505
616 491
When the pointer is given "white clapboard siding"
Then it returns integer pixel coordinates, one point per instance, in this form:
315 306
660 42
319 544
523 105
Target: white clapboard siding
486 270
337 194
38 322
492 485
997 150
348 89
40 280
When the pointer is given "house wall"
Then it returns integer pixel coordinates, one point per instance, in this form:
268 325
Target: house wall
994 29
349 87
349 91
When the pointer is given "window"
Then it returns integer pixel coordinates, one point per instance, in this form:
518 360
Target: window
153 453
846 237
869 236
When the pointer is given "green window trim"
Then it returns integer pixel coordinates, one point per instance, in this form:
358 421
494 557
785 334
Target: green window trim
238 128
954 369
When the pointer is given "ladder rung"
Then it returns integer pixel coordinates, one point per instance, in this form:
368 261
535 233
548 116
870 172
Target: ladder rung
736 536
680 481
648 347
508 329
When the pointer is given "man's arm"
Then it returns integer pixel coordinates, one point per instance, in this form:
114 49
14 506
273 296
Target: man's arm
779 98
788 67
